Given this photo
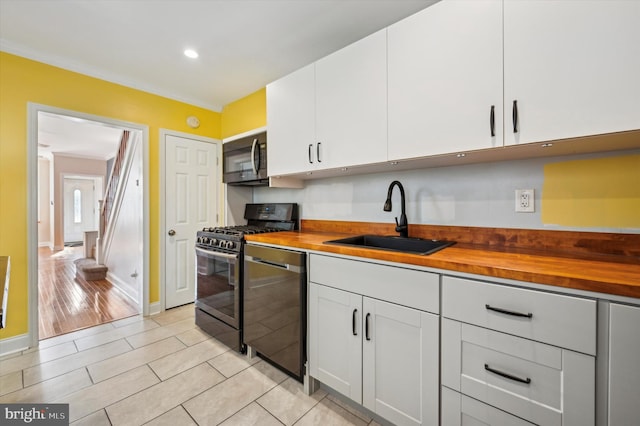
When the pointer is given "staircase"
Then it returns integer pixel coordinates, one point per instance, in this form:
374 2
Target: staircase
90 268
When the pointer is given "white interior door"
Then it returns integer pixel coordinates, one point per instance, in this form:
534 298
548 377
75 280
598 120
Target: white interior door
79 208
191 203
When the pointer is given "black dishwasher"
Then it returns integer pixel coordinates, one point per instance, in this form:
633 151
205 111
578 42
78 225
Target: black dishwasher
275 306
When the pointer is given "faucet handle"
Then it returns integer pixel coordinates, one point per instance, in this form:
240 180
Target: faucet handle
402 227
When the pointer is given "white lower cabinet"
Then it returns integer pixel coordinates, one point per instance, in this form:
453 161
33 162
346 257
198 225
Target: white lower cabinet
540 383
335 339
528 353
624 362
461 410
382 355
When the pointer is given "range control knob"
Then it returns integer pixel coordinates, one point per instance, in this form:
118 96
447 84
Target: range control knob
230 245
212 242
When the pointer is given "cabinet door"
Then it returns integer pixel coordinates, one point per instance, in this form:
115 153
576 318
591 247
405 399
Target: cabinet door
460 410
572 67
291 123
445 76
400 363
335 345
351 103
624 356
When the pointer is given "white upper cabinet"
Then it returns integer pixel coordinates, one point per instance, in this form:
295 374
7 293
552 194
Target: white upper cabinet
445 76
572 67
332 113
461 76
351 103
291 123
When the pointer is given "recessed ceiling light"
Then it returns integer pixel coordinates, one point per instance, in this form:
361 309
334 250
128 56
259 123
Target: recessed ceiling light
190 53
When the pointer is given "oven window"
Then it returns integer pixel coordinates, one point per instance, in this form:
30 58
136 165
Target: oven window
217 289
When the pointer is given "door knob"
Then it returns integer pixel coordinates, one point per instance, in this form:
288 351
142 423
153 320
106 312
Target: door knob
171 232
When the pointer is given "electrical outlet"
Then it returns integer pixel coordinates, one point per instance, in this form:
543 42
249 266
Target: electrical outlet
525 200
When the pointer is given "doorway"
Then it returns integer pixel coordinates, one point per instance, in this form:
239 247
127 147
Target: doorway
80 195
190 199
54 249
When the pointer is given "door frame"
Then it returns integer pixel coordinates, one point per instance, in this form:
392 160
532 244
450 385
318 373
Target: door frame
32 205
163 186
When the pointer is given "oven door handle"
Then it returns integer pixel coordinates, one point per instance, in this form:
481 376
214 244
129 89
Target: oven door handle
217 253
286 266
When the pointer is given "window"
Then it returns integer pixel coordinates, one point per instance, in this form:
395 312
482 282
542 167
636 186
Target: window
77 206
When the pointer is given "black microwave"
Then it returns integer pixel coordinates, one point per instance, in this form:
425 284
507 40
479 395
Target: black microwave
245 161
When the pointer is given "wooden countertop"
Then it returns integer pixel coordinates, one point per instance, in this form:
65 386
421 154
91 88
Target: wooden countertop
617 275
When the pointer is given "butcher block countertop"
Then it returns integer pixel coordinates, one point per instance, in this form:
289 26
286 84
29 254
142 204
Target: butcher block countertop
597 262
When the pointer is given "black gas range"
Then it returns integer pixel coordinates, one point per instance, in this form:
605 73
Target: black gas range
219 268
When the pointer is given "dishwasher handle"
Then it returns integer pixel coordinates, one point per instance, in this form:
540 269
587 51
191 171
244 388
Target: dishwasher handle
285 266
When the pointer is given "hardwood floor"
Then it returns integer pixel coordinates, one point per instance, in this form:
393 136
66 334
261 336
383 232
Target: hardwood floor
67 303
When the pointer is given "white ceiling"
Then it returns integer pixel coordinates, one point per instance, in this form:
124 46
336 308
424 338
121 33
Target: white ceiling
75 137
243 44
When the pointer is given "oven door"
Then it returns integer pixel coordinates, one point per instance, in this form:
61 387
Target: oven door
218 285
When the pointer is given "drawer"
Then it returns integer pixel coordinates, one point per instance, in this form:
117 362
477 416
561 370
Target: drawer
407 287
460 410
540 383
564 321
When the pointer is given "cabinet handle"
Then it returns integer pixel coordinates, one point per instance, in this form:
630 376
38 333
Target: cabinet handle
507 312
353 322
366 327
310 153
492 120
318 152
514 116
506 375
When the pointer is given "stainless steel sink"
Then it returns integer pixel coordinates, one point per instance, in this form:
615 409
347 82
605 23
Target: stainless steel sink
394 243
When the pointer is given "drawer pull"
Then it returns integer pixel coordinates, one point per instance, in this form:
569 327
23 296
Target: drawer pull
507 312
353 322
506 375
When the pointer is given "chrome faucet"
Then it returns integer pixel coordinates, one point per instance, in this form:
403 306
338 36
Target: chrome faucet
401 226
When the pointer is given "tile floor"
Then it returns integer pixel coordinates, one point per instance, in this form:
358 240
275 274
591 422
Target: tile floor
162 370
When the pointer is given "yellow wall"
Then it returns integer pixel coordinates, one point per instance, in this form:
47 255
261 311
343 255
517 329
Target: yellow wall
22 81
245 114
600 192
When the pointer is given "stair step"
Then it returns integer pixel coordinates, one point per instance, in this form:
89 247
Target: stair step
89 270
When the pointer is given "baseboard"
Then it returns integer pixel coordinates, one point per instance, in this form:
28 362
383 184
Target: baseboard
45 244
14 344
124 288
154 308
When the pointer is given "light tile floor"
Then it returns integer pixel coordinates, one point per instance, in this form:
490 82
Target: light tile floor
162 370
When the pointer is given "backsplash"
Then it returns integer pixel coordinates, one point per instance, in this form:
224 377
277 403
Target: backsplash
470 195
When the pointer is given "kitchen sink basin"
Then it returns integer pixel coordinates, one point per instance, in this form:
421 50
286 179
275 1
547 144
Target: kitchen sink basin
394 243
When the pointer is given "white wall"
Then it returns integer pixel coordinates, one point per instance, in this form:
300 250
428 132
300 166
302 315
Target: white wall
44 203
124 257
470 195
